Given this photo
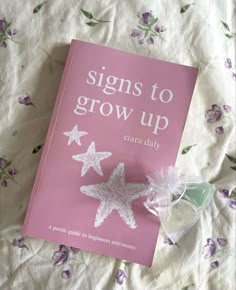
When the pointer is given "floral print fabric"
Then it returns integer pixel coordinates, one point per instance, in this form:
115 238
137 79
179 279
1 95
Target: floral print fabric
34 41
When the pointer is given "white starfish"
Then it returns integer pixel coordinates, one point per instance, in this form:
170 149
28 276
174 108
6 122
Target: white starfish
91 159
115 194
74 135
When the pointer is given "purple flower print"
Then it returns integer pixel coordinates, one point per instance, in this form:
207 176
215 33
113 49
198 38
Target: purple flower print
12 32
234 76
228 63
227 108
150 40
147 29
4 183
159 28
224 193
210 242
3 24
120 276
169 242
25 100
66 274
3 162
60 257
3 44
219 130
12 172
209 249
6 33
232 203
19 242
5 172
214 114
215 265
146 18
136 33
222 242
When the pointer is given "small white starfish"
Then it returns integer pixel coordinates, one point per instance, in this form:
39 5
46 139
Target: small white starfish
74 135
115 194
91 159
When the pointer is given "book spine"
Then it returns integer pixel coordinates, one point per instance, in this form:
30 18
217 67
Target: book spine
49 137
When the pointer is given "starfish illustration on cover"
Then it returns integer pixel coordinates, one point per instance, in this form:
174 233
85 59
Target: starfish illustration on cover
115 194
74 135
91 159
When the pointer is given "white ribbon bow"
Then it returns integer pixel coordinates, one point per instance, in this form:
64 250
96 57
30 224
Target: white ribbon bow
166 188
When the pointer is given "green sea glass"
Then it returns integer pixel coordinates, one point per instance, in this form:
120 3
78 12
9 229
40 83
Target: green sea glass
200 194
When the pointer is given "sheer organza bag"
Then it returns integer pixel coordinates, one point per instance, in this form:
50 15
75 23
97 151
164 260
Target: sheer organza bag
177 199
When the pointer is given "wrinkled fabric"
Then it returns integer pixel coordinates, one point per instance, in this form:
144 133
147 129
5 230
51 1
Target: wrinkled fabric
34 42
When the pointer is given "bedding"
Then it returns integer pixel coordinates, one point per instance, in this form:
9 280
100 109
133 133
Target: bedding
34 42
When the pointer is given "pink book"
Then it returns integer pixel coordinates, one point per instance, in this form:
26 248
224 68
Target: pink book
118 116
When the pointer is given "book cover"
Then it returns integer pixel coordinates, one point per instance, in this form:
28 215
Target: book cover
118 116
